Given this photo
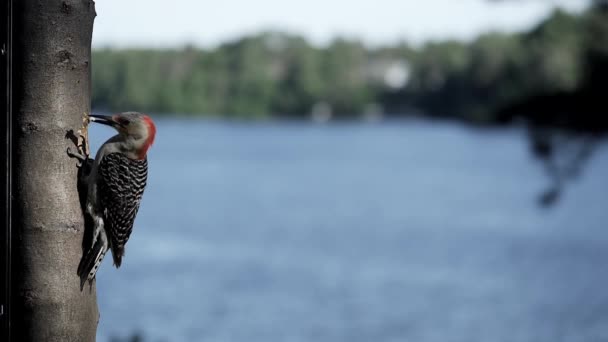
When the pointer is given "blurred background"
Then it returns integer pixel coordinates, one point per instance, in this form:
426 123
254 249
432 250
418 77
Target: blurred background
361 171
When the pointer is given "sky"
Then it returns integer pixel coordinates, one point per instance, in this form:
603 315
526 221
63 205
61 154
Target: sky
174 23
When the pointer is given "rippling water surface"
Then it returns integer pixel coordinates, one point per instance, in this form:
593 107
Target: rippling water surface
405 231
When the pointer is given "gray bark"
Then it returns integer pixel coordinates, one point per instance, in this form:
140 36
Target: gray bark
52 55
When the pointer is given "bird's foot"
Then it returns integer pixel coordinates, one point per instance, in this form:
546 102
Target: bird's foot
81 159
80 139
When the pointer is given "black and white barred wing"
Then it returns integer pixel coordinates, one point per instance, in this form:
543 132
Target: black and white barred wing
121 186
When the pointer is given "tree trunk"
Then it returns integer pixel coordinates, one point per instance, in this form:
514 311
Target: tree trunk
52 52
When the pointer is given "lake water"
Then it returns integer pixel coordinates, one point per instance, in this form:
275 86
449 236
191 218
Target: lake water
401 231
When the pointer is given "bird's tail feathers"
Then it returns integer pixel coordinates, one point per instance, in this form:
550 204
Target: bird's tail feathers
90 262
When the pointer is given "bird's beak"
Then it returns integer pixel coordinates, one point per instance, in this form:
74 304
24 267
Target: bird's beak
105 119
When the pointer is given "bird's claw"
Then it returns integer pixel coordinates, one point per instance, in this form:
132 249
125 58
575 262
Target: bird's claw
80 139
78 156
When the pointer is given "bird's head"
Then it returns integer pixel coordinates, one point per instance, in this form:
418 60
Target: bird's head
135 128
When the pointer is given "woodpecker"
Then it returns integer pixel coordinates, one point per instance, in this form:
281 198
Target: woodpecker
115 185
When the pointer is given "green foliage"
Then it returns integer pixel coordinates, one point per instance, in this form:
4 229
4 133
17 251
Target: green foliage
275 74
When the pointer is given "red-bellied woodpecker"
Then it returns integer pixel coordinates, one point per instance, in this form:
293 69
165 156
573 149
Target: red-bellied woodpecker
115 186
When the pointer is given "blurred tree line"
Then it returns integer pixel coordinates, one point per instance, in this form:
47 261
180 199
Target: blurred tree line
276 74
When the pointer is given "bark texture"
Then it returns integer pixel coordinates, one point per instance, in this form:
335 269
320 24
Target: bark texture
52 57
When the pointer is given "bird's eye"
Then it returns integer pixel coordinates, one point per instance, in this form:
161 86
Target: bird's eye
125 122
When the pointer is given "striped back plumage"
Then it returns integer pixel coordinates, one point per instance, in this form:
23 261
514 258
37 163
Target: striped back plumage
121 187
